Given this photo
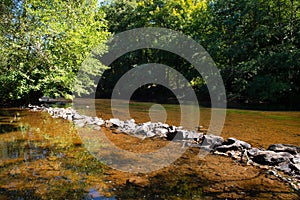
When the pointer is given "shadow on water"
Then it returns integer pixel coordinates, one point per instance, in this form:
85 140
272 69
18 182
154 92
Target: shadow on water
16 194
7 128
166 186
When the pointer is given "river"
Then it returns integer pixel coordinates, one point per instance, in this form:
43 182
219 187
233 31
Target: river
44 158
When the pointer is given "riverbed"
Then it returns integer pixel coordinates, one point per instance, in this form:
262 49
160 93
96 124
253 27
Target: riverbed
44 158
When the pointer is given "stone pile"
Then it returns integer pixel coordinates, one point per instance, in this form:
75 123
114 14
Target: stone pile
282 157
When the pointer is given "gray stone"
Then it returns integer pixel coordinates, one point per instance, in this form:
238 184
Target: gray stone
172 129
130 124
142 130
271 157
285 166
253 152
67 115
284 148
77 116
174 135
161 132
150 134
295 168
210 142
296 159
116 122
79 123
89 120
233 144
98 121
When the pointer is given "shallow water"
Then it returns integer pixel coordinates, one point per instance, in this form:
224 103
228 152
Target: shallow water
259 128
43 158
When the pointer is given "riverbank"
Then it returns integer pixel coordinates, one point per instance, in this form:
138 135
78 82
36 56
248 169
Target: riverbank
277 158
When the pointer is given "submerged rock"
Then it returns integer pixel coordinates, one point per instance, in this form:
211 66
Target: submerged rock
79 123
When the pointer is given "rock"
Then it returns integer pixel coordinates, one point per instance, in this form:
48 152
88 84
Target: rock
150 134
174 135
67 114
234 154
296 159
116 122
79 123
77 116
172 129
282 157
210 142
141 130
89 120
95 127
108 124
130 124
295 168
44 99
189 134
138 181
285 167
233 144
98 122
161 132
253 152
270 157
284 148
194 135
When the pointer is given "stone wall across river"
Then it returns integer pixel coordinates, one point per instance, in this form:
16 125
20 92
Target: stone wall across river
281 160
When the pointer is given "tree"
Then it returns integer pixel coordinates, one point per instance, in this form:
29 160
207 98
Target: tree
175 14
45 46
254 43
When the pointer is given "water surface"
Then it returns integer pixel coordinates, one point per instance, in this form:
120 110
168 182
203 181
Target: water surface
44 158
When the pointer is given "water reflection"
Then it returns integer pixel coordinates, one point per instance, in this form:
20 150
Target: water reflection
42 158
95 195
21 149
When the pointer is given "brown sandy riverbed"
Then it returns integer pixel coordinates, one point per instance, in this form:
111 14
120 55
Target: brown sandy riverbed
67 170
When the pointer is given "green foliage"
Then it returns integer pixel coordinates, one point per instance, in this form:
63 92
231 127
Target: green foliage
254 43
43 45
124 15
